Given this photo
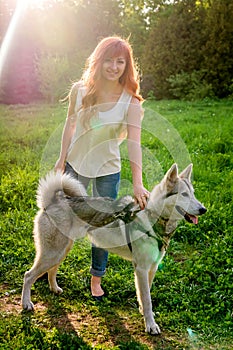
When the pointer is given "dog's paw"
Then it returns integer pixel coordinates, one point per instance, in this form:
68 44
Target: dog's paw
28 306
57 290
153 328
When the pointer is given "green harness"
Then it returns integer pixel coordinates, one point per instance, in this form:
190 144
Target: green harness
158 229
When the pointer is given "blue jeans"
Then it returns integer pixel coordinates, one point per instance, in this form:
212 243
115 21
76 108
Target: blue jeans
102 186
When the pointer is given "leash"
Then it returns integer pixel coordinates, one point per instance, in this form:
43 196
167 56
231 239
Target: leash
128 240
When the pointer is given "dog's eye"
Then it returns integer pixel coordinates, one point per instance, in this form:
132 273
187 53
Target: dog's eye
185 194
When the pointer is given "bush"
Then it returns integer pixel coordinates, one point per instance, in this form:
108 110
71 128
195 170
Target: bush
53 73
190 86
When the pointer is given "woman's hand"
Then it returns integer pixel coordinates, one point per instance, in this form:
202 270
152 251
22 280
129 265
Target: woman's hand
59 166
141 195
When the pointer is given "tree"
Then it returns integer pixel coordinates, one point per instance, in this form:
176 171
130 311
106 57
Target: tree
66 28
217 52
177 44
174 44
133 24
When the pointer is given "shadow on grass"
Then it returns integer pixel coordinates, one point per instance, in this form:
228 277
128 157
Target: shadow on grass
85 325
50 325
79 322
61 335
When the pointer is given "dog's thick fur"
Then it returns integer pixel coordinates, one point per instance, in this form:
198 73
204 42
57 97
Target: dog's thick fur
67 214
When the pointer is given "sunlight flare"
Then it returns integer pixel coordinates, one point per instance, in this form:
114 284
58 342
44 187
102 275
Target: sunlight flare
8 39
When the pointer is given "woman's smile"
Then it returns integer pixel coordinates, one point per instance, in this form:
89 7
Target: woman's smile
113 68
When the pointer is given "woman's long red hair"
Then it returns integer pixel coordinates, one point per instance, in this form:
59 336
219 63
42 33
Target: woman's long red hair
91 78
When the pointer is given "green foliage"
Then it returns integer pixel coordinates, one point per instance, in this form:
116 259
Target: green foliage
53 76
193 288
172 42
190 86
186 39
216 58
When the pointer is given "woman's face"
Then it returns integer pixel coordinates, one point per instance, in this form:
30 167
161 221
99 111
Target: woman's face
113 68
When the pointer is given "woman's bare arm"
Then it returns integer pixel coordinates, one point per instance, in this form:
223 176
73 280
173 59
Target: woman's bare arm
134 150
68 131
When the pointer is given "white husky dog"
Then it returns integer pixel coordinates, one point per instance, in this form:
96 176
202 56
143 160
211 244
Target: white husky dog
142 236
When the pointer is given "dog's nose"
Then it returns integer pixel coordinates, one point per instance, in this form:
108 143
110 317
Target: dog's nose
203 210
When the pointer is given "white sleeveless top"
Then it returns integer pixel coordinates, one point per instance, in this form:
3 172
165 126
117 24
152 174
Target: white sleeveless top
95 151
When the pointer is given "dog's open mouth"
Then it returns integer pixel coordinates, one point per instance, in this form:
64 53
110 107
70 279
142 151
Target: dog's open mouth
192 219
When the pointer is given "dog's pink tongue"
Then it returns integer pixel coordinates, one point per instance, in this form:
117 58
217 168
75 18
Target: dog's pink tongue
194 219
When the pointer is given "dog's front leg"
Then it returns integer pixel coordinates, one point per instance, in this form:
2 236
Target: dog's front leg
29 279
144 299
151 274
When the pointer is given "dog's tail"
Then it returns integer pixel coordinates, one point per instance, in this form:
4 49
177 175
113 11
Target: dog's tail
54 183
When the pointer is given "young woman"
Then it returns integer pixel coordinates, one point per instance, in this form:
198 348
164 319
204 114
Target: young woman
104 109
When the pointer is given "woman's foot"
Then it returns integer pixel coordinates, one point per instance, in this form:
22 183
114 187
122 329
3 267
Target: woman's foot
96 289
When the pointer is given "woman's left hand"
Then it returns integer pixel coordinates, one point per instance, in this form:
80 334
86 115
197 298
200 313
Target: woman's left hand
141 195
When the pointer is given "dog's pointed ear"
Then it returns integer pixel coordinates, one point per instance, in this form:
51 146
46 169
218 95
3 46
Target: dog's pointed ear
171 177
187 172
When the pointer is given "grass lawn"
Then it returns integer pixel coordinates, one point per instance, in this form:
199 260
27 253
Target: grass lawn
192 292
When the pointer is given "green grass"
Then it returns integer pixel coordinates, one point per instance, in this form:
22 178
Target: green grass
193 288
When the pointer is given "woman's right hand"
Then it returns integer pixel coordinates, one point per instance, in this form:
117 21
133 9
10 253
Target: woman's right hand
59 165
